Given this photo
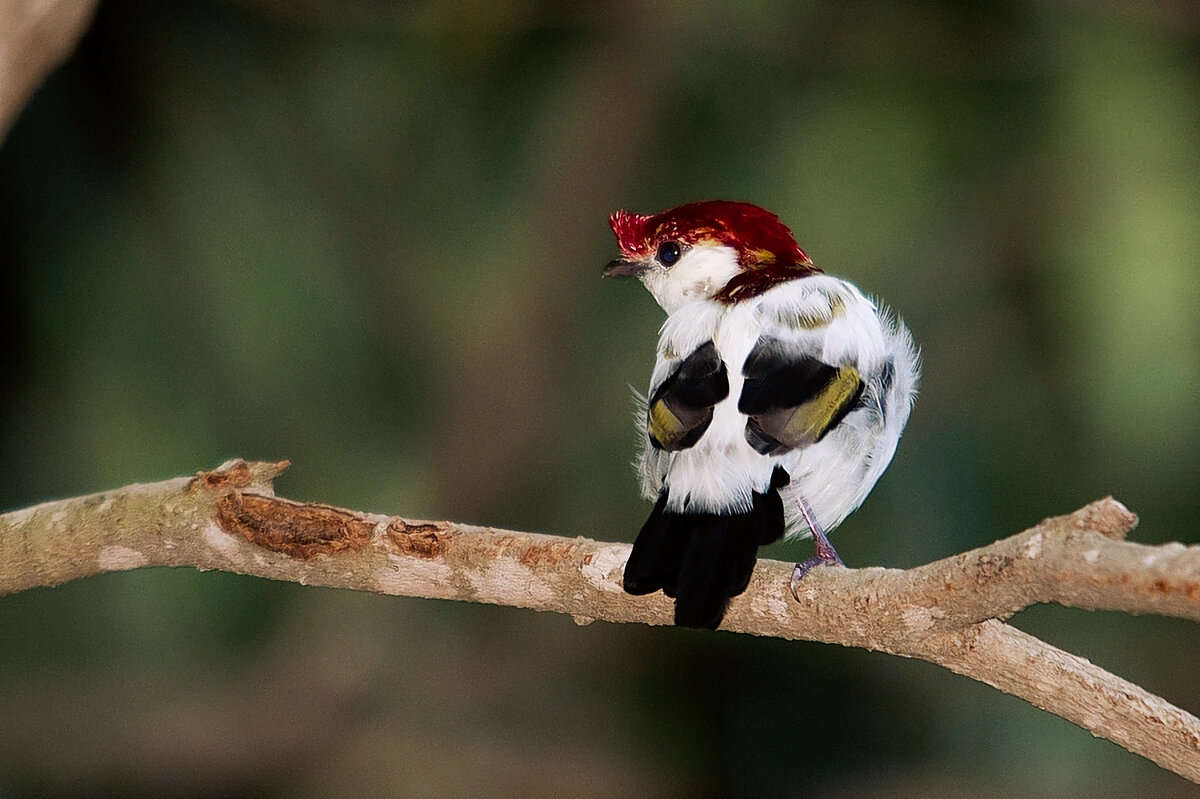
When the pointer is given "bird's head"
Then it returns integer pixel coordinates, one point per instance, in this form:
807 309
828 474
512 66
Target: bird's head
715 249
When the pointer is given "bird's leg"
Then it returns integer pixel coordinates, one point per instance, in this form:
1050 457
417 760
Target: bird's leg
825 555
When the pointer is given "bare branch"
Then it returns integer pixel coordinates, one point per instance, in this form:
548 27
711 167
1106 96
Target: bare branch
35 37
1071 687
949 612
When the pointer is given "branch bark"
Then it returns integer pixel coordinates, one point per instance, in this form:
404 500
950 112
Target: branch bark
950 612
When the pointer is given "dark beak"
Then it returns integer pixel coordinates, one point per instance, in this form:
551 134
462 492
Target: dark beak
624 268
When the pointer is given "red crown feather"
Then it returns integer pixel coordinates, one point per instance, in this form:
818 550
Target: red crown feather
760 237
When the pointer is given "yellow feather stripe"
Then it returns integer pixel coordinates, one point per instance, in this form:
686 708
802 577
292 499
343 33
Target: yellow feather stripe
820 317
664 426
812 419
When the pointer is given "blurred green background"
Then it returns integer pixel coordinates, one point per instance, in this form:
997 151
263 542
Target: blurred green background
368 237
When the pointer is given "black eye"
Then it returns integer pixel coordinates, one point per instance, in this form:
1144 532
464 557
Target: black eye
669 252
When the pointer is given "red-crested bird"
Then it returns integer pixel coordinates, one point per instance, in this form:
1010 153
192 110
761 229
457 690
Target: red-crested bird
778 396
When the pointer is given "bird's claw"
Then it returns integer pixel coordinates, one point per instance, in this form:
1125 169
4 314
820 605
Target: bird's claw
830 558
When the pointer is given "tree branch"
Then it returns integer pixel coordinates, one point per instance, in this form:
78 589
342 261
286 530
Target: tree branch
35 37
949 612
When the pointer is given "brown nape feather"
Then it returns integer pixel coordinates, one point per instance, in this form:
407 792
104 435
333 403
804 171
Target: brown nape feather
752 282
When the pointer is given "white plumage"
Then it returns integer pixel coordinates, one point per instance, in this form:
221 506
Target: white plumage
833 475
777 399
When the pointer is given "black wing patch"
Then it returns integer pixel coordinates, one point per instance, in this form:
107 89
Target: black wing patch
682 407
793 401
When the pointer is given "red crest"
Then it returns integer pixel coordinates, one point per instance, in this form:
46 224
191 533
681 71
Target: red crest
759 237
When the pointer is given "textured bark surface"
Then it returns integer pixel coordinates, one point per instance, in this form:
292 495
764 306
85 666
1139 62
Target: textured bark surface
950 612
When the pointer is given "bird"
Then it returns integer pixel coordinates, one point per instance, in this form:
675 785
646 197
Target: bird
777 399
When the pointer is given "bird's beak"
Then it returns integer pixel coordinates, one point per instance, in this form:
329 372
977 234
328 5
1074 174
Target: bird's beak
623 267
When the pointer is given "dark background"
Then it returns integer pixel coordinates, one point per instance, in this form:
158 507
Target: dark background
368 237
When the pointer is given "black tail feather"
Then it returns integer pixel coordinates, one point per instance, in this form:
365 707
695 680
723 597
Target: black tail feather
654 562
702 559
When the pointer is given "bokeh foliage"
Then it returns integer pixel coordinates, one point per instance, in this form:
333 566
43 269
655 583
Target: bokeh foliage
368 238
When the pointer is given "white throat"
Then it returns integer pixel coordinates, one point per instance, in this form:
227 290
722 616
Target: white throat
701 272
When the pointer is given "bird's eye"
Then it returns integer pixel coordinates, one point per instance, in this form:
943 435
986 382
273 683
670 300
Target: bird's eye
669 252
